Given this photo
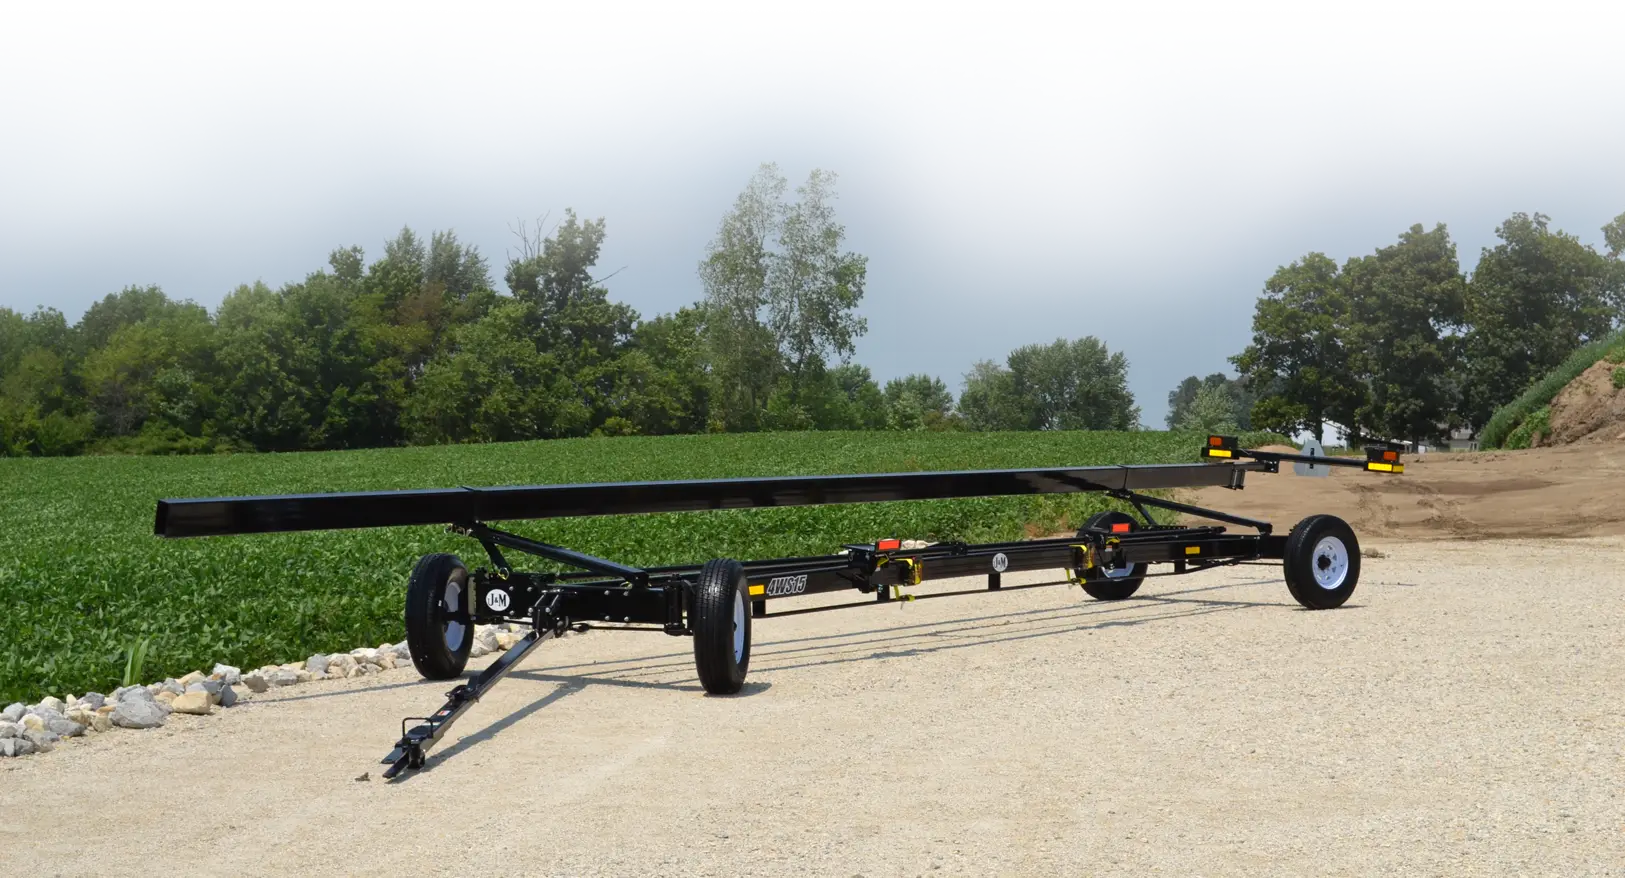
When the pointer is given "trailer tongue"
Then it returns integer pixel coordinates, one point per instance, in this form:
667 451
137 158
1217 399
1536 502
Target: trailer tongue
715 602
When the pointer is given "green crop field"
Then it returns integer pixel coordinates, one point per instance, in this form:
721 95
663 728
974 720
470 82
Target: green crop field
82 578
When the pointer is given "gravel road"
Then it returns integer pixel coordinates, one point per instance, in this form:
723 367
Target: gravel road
1464 715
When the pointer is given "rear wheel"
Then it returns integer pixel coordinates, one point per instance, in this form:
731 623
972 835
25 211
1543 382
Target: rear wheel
1322 562
1114 584
439 629
720 619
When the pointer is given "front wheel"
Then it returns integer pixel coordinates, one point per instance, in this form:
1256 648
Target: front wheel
720 619
439 629
1322 562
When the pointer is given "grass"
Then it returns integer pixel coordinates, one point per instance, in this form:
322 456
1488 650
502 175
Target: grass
1533 428
1499 429
86 584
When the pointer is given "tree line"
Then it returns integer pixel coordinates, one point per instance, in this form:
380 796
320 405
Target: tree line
1402 344
418 347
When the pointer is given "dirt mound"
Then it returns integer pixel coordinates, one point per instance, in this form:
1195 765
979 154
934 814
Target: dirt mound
1589 409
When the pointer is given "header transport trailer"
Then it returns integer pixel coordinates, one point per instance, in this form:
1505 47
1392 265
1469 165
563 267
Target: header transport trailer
715 602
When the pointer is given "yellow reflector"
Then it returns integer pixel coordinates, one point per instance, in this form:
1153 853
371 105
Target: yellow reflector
1217 452
1374 466
758 589
1193 550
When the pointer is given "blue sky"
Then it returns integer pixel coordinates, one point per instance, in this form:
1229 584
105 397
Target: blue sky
1015 173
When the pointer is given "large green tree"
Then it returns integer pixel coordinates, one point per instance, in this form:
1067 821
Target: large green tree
271 396
1073 385
569 315
987 400
332 361
1235 390
1065 385
862 405
1213 410
41 404
780 297
45 329
496 386
115 311
1613 235
1299 350
1532 299
744 355
411 302
1614 238
158 371
813 286
918 402
662 384
1406 310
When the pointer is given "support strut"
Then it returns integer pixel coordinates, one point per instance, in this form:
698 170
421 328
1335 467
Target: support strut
411 751
1262 527
490 537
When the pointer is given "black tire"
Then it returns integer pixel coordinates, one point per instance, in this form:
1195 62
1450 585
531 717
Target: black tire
439 629
720 619
1322 562
1115 586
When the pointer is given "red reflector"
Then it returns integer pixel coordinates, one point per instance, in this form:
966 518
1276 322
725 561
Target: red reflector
889 545
1121 528
1390 455
1215 441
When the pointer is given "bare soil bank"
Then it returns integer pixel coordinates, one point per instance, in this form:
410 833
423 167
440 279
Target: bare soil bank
1575 490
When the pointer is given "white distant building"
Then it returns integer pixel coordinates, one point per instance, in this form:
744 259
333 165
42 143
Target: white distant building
1460 440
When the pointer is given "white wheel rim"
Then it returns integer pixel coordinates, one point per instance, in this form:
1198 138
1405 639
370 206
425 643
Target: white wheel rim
452 598
739 627
1330 563
1120 572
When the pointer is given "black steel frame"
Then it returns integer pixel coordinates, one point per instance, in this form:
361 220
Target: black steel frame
601 593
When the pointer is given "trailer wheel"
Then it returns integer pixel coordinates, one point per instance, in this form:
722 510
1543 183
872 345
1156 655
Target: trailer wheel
1112 585
439 629
1321 562
720 619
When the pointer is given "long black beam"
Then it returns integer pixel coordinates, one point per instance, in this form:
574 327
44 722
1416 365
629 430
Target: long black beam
219 516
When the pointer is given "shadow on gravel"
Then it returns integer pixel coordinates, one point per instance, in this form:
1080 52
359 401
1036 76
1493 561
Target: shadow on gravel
436 757
864 650
895 641
381 687
899 641
580 680
568 685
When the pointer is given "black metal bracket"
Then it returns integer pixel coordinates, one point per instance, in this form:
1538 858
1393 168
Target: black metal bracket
492 551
